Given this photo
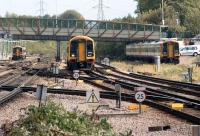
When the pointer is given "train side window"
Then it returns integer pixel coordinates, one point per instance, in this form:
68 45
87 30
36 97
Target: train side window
73 49
165 47
176 46
90 49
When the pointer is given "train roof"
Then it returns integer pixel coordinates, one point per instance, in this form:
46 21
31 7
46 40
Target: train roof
152 43
81 37
17 46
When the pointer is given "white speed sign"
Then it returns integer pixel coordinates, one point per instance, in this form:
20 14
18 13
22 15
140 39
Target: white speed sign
140 96
76 75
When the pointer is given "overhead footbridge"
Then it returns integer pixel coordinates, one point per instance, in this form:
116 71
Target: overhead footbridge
62 30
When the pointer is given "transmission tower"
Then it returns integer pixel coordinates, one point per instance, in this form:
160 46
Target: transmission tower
100 13
41 8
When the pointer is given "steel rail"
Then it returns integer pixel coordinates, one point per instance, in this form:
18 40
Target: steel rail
152 91
154 84
125 97
15 92
177 84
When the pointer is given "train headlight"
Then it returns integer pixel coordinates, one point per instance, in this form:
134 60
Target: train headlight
73 55
90 54
164 53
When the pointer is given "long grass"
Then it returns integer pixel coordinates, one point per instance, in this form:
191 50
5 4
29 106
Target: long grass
167 71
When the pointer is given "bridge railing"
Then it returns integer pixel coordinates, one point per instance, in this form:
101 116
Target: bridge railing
79 24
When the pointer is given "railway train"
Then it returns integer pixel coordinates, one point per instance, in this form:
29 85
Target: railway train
81 53
167 50
19 53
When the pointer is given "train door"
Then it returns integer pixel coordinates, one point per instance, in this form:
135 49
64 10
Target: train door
170 50
81 51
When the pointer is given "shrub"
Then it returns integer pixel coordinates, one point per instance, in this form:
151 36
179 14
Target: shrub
53 120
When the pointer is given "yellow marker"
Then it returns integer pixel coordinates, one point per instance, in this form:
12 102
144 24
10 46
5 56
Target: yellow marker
80 81
99 81
176 106
136 107
108 70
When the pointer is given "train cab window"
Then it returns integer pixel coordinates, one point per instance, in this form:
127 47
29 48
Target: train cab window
90 49
165 47
73 49
176 48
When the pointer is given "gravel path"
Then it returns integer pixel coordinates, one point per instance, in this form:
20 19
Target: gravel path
3 93
137 123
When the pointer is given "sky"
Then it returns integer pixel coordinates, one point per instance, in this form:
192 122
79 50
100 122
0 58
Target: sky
113 8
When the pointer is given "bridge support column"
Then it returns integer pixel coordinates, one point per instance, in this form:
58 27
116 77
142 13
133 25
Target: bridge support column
58 51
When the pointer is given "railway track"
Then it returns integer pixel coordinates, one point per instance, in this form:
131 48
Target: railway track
131 83
155 98
191 102
145 82
20 81
176 84
15 91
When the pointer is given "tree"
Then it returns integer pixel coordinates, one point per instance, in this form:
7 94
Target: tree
146 5
71 14
186 11
10 15
192 15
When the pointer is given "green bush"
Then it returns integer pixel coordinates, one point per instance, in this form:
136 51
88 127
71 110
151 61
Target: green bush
53 120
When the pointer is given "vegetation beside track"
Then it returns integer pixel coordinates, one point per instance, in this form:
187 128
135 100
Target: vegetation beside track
44 47
168 71
53 119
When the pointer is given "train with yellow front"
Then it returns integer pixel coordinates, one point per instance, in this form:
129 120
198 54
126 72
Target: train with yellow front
167 50
81 53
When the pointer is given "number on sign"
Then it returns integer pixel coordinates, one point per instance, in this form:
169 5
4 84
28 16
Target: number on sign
140 96
76 75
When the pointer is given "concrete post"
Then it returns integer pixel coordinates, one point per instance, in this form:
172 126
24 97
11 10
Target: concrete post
58 51
195 130
157 62
190 71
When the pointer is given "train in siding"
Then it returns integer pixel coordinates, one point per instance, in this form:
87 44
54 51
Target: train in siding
81 53
19 53
167 50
